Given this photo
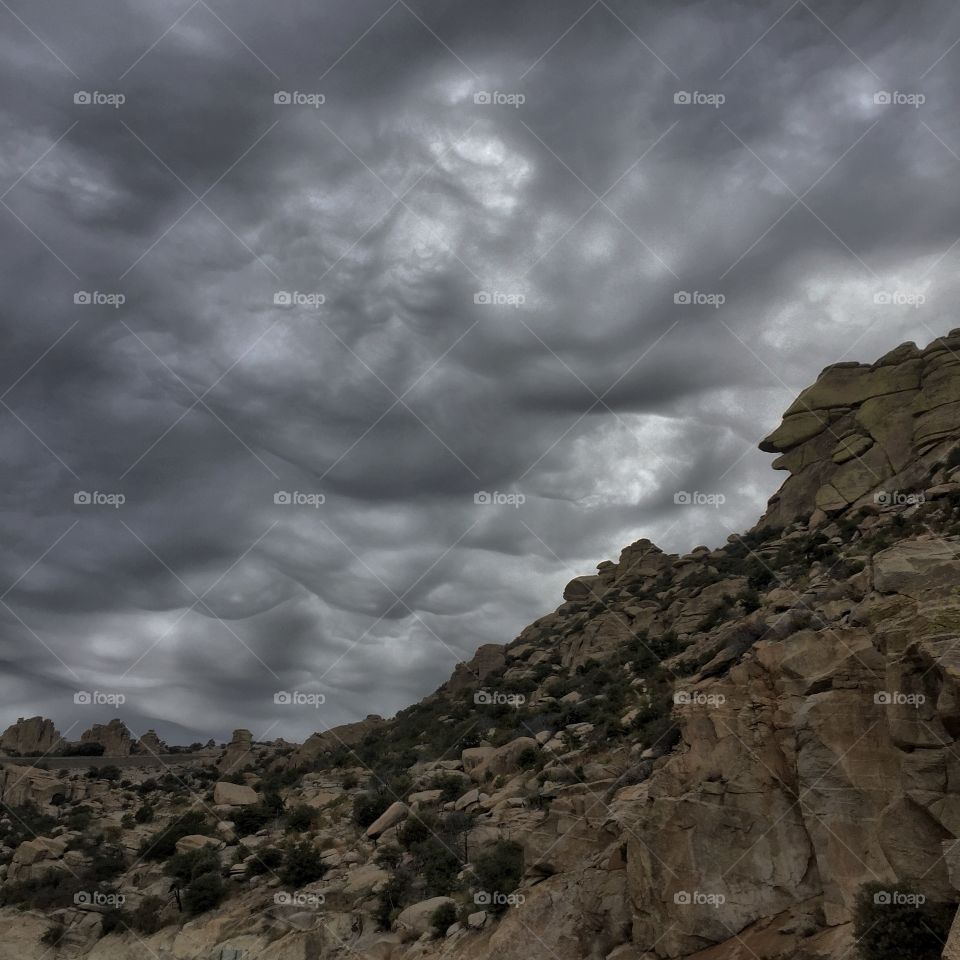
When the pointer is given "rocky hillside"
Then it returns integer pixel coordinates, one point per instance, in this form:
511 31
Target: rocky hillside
741 752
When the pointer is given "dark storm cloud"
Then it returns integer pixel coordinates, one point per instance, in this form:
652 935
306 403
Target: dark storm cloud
399 200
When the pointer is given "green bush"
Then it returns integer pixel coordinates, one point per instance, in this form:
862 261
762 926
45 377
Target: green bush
146 918
301 865
443 917
248 820
203 893
300 818
499 870
368 806
891 925
265 860
163 844
185 867
144 814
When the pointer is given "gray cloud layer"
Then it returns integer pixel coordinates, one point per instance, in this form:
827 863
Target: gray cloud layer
595 201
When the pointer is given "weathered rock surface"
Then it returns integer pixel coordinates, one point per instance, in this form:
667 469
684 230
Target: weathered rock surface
30 737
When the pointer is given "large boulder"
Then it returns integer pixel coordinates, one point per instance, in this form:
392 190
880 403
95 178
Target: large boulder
228 794
114 737
390 817
417 919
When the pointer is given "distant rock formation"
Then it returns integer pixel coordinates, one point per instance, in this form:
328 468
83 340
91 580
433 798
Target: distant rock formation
30 737
346 735
114 737
151 743
238 751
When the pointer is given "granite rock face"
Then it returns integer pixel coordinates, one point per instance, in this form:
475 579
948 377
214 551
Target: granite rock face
867 433
30 737
114 737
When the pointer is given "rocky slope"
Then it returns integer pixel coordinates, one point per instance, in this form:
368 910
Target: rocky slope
702 756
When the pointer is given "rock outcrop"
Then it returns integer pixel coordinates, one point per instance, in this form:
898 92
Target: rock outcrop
30 737
863 434
114 737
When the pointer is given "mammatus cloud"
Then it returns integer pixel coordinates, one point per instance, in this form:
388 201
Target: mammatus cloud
383 258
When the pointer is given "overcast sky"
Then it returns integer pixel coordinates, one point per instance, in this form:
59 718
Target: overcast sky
191 168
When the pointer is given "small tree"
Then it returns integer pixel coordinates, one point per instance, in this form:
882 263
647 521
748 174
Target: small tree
301 865
443 917
893 924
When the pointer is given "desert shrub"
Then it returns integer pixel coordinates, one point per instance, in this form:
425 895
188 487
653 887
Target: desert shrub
499 870
301 864
368 806
450 784
204 892
107 862
892 925
146 918
528 758
185 867
444 916
391 898
300 818
144 814
162 844
264 861
250 819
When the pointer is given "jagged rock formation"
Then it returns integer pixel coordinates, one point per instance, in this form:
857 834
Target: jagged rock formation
863 432
30 737
114 737
345 735
238 751
150 743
